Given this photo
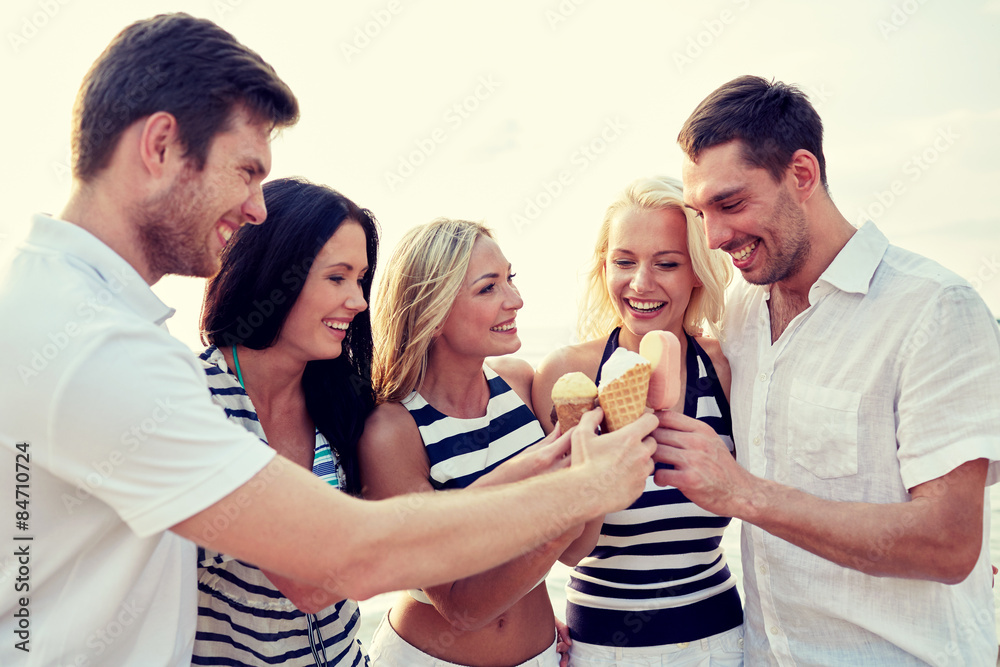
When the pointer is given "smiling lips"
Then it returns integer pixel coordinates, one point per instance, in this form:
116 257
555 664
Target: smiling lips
509 325
744 252
645 306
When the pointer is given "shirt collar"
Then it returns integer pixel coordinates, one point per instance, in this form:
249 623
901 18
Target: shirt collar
854 266
92 254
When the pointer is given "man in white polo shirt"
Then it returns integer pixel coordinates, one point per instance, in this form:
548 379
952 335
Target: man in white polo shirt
866 408
115 450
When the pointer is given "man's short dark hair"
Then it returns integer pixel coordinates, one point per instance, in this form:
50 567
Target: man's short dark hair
188 67
771 119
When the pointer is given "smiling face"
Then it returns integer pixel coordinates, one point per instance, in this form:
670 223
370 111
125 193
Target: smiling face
481 322
747 214
330 299
183 230
648 272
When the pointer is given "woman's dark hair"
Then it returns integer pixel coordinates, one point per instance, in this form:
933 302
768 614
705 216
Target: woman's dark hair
263 270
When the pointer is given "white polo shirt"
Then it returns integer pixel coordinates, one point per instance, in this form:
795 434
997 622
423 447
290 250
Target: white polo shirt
890 378
118 440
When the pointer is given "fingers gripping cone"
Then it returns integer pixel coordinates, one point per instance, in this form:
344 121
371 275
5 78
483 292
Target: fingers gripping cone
573 394
623 398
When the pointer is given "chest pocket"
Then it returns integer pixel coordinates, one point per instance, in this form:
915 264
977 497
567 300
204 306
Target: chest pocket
823 429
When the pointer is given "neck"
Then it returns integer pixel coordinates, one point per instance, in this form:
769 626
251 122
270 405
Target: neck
270 375
99 209
829 232
455 383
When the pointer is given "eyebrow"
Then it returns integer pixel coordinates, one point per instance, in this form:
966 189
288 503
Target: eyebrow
655 254
346 265
726 194
490 276
256 165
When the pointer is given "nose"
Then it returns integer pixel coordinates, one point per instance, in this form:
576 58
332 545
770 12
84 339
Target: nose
254 210
716 233
513 300
356 299
642 279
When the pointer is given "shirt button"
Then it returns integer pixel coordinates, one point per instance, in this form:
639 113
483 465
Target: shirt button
774 630
763 377
763 569
756 440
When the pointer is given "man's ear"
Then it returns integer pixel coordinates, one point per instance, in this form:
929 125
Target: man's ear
804 174
160 147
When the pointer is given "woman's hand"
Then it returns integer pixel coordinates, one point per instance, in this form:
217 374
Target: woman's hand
549 454
563 643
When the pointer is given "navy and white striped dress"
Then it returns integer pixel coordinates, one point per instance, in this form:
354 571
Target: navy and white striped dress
658 574
242 618
460 451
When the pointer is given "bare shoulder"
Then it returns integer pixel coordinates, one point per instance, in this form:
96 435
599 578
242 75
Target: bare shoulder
713 348
391 454
582 357
518 373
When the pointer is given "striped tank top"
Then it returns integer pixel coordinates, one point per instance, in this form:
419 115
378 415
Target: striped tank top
460 451
243 619
658 574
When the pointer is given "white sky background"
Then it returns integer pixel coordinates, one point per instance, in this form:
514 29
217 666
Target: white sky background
909 93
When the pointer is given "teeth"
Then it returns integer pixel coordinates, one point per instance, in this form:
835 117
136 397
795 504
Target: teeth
504 327
226 232
744 252
645 306
342 326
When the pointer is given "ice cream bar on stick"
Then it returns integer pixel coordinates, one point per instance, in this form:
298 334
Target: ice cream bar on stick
663 351
624 385
573 394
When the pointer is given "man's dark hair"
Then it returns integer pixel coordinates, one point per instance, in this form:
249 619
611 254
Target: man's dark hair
771 119
264 268
188 67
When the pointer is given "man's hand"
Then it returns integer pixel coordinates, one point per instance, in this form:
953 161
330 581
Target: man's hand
704 469
617 463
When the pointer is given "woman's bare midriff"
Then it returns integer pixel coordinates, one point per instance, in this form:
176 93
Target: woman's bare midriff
520 633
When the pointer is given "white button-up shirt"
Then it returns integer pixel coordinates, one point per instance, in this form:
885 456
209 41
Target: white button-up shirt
889 378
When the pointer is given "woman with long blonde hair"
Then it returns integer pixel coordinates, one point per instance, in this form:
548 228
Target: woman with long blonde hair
656 585
447 419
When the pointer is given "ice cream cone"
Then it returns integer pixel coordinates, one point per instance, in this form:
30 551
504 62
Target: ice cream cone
573 394
624 398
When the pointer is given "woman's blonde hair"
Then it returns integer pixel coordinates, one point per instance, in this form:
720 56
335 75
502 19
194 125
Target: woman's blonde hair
422 280
712 267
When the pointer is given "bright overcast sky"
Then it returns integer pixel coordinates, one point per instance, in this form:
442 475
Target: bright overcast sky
531 116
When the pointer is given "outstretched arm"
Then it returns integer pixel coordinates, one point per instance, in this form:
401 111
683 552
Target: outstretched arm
937 535
287 521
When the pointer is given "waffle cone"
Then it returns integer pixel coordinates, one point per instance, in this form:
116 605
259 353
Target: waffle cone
624 398
569 412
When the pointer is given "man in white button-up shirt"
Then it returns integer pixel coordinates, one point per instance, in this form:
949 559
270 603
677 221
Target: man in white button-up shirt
866 408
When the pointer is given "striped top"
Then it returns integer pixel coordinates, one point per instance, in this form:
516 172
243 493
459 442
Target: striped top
658 574
460 451
243 619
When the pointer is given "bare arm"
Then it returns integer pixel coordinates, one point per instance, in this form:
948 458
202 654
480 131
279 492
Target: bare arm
393 462
287 521
937 535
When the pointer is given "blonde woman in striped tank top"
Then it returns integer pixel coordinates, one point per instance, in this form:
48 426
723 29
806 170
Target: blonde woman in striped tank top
448 418
656 588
